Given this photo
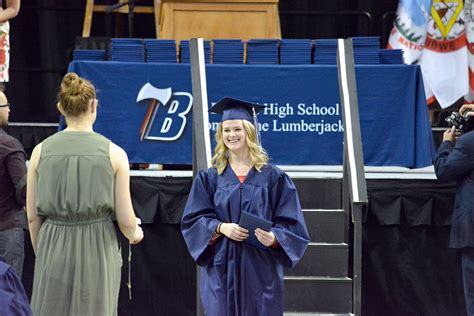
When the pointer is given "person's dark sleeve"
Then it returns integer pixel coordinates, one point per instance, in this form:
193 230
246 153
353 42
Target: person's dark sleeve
16 166
200 221
13 299
454 161
289 225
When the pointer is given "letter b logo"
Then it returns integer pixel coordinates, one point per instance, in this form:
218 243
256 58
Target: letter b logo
169 120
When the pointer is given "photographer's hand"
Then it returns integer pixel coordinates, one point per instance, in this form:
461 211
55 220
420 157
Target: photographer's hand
467 107
449 134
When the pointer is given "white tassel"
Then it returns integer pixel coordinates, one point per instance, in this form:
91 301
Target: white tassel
257 128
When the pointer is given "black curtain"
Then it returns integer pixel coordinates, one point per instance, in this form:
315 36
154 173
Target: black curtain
407 266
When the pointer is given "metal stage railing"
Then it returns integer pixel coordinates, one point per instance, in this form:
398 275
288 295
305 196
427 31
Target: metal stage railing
354 193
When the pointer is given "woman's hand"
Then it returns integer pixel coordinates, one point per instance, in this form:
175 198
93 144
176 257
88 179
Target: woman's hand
234 231
266 238
138 235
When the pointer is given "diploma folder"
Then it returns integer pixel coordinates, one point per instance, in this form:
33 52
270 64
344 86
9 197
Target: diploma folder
252 222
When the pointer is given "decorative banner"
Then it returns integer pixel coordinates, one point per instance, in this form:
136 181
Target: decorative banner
469 23
145 108
444 63
433 35
409 29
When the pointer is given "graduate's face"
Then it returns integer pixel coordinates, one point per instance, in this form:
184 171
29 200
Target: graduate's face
233 134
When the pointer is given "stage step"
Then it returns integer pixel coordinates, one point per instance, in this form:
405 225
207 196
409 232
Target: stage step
322 259
319 284
326 225
318 294
323 193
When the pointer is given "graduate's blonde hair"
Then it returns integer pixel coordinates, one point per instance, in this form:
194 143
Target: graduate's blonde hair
257 154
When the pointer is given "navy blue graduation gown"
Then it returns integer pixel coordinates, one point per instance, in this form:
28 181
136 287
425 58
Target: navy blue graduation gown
237 278
13 300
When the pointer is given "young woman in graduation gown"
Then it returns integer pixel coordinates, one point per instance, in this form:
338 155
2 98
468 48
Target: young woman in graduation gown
237 278
77 179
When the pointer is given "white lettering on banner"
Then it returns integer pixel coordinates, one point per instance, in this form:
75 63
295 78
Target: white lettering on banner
280 111
213 125
309 122
302 126
265 127
313 109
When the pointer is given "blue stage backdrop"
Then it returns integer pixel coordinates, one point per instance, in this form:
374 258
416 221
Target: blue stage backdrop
301 124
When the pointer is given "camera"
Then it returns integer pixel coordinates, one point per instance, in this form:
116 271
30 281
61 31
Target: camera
462 122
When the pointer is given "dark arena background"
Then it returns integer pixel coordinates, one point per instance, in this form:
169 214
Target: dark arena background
407 267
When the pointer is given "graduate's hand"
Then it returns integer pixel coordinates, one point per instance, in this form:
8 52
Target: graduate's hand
266 238
234 231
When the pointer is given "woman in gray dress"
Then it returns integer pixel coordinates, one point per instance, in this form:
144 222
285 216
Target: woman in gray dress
76 180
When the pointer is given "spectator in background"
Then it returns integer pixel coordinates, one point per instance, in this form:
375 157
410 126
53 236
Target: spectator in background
11 10
12 193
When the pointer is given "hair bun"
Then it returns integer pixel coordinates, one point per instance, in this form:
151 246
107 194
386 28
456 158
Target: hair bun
75 94
71 84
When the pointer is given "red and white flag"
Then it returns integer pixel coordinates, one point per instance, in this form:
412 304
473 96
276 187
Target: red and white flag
433 35
469 22
409 29
444 62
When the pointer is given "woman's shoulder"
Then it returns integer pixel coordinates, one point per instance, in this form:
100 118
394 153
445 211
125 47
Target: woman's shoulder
212 171
207 175
272 174
50 139
212 175
272 170
77 142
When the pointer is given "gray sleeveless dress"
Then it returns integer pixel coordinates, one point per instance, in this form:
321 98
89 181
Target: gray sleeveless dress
78 263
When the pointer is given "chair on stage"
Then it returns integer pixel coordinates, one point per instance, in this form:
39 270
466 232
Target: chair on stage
124 7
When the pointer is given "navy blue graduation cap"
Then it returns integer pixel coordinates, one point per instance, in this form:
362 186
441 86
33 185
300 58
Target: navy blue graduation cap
234 109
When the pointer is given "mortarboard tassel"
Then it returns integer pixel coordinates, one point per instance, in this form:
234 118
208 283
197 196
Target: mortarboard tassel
257 128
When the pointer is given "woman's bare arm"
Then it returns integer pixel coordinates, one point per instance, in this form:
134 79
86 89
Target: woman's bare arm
34 221
123 203
11 11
